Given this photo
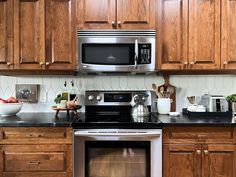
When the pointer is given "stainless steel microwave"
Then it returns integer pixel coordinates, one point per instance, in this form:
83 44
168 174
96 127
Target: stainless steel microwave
116 50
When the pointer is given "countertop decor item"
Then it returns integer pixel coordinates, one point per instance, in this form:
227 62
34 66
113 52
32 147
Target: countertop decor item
27 92
10 109
68 110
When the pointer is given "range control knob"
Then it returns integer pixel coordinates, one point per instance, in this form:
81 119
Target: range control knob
99 98
90 97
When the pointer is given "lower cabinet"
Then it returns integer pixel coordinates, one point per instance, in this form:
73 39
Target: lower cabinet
196 157
36 157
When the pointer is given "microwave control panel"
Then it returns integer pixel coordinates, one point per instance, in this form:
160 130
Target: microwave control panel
144 54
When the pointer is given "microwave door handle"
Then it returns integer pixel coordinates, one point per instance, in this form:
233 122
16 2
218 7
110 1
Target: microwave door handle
136 54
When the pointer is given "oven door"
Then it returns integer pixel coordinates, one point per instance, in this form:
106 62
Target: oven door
116 53
118 153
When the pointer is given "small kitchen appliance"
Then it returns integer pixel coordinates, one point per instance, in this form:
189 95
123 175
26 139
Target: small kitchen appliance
214 103
140 108
110 142
116 50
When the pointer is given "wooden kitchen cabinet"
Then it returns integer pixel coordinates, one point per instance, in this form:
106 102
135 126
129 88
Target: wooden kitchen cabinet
228 35
44 34
34 152
190 34
6 34
199 152
116 14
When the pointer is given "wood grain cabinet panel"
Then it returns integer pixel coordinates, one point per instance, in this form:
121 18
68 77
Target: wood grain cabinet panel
204 34
96 14
181 160
116 14
136 14
6 34
60 34
172 28
28 34
228 34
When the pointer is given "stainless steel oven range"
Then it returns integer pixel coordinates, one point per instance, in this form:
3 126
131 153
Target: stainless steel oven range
109 142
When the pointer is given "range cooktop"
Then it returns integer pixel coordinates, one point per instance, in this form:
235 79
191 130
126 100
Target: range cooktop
116 121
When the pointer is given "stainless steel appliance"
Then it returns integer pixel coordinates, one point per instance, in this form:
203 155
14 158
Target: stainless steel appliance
140 108
116 50
214 103
109 142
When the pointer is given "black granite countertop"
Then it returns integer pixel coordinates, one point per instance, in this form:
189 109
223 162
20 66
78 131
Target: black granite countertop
49 120
38 120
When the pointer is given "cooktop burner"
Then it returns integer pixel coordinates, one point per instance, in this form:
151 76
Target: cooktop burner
116 121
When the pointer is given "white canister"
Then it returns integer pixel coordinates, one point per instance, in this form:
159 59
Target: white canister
163 105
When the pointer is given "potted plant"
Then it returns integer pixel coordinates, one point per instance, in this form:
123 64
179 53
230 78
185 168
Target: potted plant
232 102
60 101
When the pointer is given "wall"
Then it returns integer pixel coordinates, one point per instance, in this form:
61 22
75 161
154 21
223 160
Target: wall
187 85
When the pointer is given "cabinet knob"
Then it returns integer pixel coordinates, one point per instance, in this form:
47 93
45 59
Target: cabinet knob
113 23
9 63
192 63
185 63
47 63
41 63
206 152
119 23
225 63
198 152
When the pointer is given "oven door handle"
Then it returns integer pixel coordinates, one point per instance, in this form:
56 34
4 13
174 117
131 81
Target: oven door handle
146 134
136 54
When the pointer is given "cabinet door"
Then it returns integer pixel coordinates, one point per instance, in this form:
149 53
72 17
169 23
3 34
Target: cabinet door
182 160
172 28
60 34
219 160
29 34
96 14
204 34
6 34
228 37
136 14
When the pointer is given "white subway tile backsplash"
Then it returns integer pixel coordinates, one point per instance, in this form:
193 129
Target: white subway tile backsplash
187 85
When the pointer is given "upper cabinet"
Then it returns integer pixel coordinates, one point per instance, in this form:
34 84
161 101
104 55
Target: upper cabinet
189 35
228 36
6 34
116 14
44 34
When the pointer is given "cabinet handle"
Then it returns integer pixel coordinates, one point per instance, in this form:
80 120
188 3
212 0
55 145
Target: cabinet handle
185 63
192 63
113 23
225 63
119 23
9 63
47 63
33 163
199 152
206 152
41 63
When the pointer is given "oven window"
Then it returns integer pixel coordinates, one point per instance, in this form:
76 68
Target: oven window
117 159
108 54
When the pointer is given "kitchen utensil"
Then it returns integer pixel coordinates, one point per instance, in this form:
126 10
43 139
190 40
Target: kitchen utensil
162 90
163 105
191 99
10 109
140 108
155 89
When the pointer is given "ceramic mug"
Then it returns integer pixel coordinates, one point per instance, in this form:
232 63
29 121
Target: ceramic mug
163 105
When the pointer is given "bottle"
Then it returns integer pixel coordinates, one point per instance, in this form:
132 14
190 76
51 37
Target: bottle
73 91
65 91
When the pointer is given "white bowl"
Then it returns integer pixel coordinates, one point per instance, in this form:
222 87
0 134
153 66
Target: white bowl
10 109
174 114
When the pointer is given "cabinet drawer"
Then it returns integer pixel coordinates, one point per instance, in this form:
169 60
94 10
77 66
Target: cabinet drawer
35 174
35 158
198 134
30 135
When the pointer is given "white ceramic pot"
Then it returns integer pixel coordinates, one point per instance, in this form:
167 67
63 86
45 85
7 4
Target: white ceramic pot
62 104
163 105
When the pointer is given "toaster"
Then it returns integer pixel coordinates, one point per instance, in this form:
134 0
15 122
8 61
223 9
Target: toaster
214 103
